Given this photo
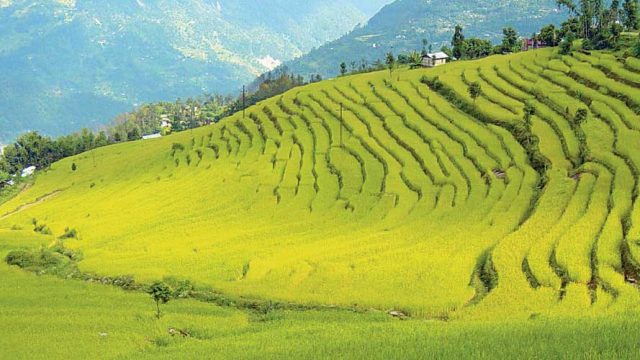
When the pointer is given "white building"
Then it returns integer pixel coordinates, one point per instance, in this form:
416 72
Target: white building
152 136
28 171
434 59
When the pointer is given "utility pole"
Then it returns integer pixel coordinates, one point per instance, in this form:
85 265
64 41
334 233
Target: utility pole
244 100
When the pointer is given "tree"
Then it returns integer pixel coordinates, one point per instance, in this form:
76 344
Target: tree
160 293
458 43
510 40
549 35
425 43
589 13
134 134
4 178
581 116
415 59
630 15
74 167
343 68
475 90
475 48
636 48
567 43
390 60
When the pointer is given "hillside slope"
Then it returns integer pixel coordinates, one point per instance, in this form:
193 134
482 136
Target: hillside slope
68 64
401 26
419 198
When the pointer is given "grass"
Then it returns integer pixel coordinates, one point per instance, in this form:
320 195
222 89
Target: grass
84 320
415 198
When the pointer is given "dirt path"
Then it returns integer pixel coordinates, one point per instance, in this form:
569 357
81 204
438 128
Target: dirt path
39 200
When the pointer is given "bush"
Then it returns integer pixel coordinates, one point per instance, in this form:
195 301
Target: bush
69 234
39 261
20 258
68 253
42 229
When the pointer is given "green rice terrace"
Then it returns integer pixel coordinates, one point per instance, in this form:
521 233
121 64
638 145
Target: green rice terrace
510 218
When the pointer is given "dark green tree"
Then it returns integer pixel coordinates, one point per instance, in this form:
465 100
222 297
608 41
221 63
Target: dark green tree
630 15
567 44
510 40
161 294
475 90
425 43
549 35
475 48
343 68
390 60
458 43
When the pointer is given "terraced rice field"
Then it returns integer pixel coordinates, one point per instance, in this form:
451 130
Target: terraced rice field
382 191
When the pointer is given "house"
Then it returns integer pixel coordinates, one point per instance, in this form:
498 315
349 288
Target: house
434 59
528 44
165 122
28 171
151 136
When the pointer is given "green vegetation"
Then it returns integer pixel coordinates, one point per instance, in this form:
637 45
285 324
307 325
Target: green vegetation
69 64
50 318
160 293
407 25
478 201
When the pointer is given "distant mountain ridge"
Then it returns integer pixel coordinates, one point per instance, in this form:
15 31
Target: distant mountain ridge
401 26
68 64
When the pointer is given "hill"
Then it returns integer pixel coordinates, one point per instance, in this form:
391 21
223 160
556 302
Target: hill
366 193
547 218
69 64
401 27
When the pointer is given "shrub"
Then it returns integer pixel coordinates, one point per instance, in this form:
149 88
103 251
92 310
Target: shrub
177 147
20 258
43 229
40 261
68 253
69 234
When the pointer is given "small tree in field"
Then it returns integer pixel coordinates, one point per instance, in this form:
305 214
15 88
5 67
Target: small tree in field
343 68
475 90
581 116
391 62
160 293
74 167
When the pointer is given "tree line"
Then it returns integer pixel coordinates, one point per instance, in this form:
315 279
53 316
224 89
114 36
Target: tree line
35 149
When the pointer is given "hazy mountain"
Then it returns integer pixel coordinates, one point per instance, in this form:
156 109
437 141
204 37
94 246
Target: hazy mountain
402 25
67 64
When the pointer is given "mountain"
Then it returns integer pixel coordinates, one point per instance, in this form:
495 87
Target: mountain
401 26
68 64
